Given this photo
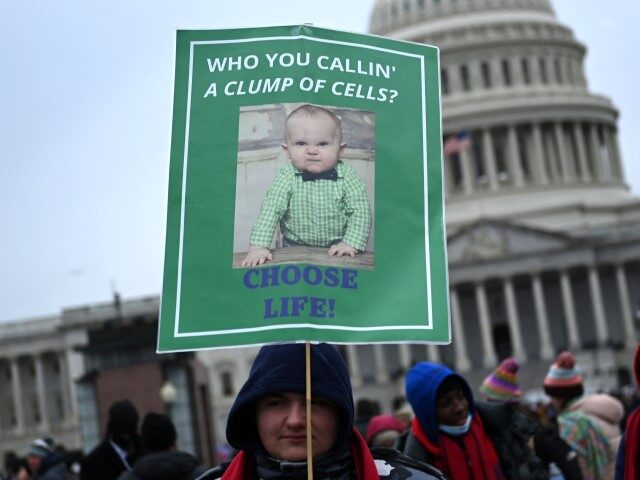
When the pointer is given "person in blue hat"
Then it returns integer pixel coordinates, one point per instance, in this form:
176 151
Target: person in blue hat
44 462
268 426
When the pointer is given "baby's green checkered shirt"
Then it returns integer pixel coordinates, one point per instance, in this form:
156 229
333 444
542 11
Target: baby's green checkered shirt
315 213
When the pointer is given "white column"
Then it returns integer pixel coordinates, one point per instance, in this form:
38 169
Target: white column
594 146
455 82
382 375
489 159
65 386
614 152
463 364
625 308
568 171
41 392
553 156
490 358
582 152
516 70
514 157
546 348
354 366
598 307
514 320
405 356
468 174
495 72
538 164
474 74
569 309
432 353
534 70
18 402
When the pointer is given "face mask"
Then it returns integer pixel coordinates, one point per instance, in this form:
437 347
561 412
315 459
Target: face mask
456 430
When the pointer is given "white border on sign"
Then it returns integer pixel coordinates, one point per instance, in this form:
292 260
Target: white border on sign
429 325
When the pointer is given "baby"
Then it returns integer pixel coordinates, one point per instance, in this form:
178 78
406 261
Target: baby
318 200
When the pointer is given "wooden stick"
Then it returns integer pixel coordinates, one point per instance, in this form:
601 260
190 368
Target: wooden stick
308 397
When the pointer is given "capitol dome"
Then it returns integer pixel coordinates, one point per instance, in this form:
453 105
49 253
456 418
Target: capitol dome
390 15
543 234
544 148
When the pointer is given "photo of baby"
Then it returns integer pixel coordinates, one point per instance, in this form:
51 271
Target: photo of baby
318 206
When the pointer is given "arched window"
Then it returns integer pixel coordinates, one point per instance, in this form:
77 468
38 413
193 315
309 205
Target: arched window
226 382
558 70
526 75
464 77
225 378
544 78
444 81
506 72
485 69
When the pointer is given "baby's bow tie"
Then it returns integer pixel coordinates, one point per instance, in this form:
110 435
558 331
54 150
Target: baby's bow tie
328 175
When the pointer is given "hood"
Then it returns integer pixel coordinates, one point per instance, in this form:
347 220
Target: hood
281 368
605 407
422 383
164 465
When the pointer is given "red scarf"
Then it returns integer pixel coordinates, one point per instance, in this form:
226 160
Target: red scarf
242 467
473 458
632 446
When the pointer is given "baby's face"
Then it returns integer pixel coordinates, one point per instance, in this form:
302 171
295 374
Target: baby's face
313 142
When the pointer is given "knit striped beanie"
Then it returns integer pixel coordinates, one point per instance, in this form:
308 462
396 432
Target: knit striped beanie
40 447
502 384
564 379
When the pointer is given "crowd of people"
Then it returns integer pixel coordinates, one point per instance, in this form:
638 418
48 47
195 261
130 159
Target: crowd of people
442 432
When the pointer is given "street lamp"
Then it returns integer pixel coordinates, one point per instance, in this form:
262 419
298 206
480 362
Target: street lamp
168 394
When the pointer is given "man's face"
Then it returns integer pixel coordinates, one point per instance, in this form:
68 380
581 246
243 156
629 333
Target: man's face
452 408
34 462
313 142
282 425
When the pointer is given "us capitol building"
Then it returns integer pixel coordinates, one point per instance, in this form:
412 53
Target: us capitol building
543 247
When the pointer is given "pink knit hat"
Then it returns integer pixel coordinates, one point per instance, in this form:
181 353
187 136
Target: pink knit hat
382 423
502 384
564 378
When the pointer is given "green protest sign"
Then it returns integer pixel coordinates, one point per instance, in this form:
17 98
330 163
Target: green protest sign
305 191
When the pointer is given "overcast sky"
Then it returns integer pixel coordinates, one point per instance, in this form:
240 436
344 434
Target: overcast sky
85 122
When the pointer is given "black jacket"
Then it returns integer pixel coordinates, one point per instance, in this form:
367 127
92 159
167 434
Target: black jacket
517 459
391 465
167 465
551 448
102 463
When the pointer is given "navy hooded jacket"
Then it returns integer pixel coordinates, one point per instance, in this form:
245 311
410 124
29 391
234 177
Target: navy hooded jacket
281 368
422 384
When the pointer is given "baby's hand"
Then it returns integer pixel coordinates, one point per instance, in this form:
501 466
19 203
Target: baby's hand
341 248
256 256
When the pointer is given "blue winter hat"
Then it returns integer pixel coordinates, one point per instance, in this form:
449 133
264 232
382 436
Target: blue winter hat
41 447
423 384
280 369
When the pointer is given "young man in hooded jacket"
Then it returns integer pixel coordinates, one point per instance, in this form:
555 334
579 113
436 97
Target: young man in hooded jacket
267 424
449 432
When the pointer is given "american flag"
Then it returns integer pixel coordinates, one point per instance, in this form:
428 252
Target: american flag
456 143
